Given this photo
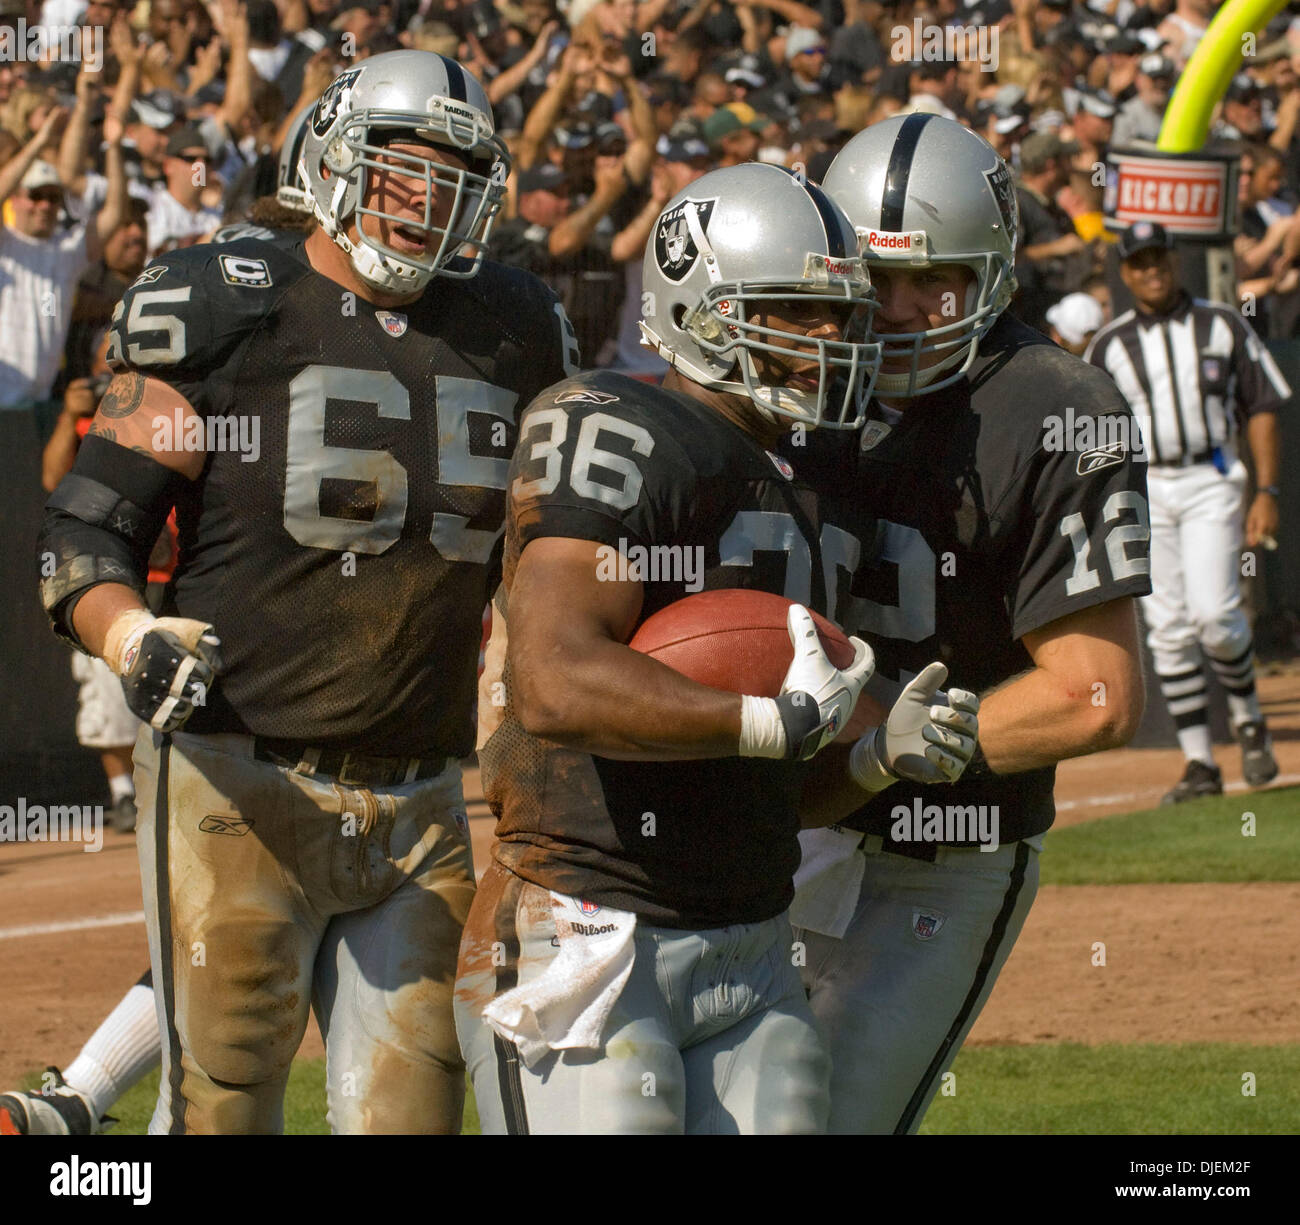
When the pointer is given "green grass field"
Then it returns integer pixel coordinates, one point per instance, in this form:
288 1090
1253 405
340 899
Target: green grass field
1199 841
1066 1089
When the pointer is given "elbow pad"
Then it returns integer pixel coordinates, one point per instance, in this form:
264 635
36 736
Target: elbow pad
100 526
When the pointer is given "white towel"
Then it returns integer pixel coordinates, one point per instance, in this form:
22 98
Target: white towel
566 1006
828 881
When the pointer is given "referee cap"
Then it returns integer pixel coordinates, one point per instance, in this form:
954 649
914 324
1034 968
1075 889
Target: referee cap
1142 236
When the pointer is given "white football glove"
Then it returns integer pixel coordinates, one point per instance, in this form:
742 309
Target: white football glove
919 741
833 691
167 665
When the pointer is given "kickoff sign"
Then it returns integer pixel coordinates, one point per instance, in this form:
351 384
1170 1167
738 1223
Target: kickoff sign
1191 196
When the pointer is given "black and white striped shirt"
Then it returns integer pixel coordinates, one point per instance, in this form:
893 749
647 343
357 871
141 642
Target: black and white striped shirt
1184 374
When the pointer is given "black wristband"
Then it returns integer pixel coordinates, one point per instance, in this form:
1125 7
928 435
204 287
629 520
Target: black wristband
978 766
802 719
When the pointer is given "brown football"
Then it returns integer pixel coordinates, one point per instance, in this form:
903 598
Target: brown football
733 639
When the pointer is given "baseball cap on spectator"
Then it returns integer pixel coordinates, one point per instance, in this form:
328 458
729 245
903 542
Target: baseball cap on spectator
610 138
184 139
574 135
213 93
1242 89
1097 103
41 174
1039 148
1157 66
1143 236
1076 317
546 176
595 107
683 147
1151 38
801 40
1123 43
745 71
731 118
1049 121
1008 98
1004 125
159 109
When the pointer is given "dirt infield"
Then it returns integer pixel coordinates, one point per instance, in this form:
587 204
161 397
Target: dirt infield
1199 962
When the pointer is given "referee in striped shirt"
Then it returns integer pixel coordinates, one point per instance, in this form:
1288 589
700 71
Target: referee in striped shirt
1190 369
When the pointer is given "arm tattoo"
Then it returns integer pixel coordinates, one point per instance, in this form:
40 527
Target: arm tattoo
102 431
124 395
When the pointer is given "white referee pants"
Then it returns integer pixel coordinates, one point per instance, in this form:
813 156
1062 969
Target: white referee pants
1196 536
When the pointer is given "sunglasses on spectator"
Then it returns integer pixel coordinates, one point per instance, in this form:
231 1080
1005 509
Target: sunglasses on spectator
814 51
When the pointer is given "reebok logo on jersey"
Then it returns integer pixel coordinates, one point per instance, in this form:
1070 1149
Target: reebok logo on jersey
149 275
586 396
1100 457
236 827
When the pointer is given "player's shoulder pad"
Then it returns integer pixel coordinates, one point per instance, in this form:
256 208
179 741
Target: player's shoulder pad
599 401
615 395
522 305
189 308
1016 359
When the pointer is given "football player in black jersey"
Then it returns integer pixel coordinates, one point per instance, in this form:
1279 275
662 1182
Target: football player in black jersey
333 426
627 966
127 1045
1012 544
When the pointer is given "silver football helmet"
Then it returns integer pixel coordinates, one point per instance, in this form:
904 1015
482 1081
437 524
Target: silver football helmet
343 141
924 190
748 238
289 189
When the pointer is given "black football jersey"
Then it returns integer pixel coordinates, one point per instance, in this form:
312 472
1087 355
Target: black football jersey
605 458
989 528
345 528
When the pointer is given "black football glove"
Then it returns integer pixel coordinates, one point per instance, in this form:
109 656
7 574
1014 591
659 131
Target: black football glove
167 666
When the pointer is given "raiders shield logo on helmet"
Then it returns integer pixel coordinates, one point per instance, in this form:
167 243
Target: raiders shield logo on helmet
330 101
675 248
1004 192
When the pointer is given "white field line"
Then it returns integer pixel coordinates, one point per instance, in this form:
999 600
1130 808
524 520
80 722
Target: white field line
71 925
1146 793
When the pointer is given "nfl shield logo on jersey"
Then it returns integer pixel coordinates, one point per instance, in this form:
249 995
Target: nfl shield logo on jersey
394 324
874 433
588 908
783 466
926 923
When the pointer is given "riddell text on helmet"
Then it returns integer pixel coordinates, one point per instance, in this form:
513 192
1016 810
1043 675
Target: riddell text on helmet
882 240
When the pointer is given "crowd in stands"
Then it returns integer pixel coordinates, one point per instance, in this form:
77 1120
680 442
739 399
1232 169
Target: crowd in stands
170 120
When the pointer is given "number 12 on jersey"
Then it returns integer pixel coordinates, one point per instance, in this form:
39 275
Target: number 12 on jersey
1122 566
